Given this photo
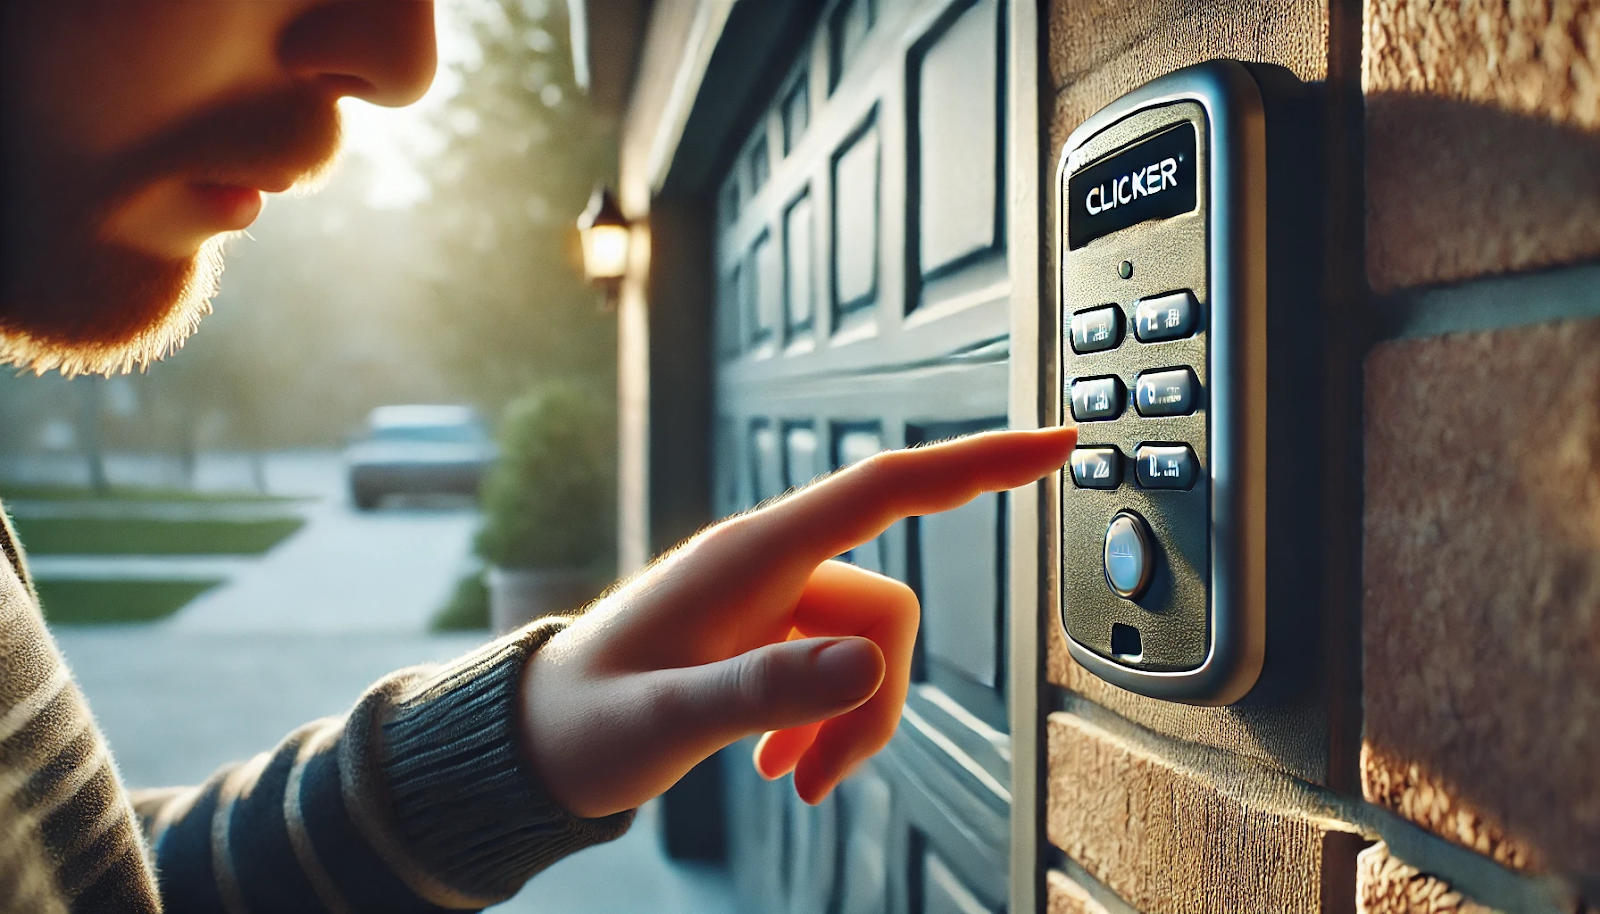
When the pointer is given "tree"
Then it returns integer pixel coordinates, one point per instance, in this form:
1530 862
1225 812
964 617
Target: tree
523 152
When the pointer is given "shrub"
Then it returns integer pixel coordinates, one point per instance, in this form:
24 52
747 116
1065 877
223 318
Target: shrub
550 501
468 608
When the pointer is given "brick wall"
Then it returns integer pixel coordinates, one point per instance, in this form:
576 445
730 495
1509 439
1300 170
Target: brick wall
1447 758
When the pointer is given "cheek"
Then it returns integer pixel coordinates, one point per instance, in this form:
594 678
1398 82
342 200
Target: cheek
95 77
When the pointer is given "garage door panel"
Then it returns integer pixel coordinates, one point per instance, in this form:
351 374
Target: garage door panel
757 849
799 268
856 169
867 801
765 465
958 578
943 892
853 443
764 292
956 140
957 567
848 26
812 852
948 811
801 458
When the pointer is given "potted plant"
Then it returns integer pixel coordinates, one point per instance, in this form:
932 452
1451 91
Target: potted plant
549 531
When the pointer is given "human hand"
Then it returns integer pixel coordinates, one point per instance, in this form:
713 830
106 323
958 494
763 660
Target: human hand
751 627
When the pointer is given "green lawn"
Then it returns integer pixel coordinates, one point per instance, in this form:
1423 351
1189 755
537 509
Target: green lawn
99 602
130 493
118 536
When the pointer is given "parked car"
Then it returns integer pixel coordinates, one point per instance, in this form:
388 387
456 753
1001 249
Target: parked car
418 450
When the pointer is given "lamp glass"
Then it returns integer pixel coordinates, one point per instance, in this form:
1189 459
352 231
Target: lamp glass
605 251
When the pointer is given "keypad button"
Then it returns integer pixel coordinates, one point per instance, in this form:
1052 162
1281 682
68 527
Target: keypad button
1096 398
1165 466
1097 330
1165 317
1128 555
1169 392
1096 467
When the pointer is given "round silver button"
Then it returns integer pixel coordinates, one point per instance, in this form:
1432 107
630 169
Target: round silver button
1128 555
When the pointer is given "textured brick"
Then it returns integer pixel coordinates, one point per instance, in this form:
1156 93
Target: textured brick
1289 737
1167 839
1063 896
1384 885
1481 614
1100 49
1483 137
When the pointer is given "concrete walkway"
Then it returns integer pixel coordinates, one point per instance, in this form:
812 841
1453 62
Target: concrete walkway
344 571
137 567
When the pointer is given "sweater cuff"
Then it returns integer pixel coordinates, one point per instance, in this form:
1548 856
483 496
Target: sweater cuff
465 801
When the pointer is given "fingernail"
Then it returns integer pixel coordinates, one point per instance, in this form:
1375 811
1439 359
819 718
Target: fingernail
848 669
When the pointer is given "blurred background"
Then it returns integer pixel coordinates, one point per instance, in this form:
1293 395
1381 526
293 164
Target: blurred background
261 523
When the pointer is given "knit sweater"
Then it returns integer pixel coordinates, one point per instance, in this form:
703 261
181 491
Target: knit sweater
418 799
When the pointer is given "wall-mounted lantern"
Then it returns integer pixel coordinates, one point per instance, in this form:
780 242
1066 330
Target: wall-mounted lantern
606 233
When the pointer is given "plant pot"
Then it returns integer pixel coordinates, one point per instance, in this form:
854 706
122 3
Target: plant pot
518 596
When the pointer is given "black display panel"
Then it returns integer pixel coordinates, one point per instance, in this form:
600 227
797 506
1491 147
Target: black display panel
1152 179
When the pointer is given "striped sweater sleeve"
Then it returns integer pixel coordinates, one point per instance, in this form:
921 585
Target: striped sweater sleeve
417 800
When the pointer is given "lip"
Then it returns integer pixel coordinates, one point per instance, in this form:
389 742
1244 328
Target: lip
230 206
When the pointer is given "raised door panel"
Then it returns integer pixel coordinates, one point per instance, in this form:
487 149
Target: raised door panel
957 141
729 314
796 112
867 801
813 853
852 444
800 456
765 293
943 891
760 163
726 485
958 571
758 844
855 223
766 468
848 26
959 565
799 270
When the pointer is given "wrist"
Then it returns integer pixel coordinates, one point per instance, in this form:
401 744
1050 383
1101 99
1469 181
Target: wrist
464 802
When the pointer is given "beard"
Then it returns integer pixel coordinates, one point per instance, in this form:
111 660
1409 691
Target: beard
73 301
105 309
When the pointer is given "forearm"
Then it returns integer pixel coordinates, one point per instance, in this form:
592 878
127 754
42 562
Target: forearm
418 800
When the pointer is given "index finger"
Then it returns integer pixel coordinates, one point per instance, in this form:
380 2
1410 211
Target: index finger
858 503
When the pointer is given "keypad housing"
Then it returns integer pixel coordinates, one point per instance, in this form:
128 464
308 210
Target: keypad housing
1168 257
1233 604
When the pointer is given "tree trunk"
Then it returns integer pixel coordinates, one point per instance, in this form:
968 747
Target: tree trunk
91 409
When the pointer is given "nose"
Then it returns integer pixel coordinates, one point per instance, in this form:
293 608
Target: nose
382 51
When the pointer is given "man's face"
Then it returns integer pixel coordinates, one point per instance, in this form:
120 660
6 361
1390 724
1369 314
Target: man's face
135 134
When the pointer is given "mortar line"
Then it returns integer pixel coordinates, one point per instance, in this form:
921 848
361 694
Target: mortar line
1103 895
1560 293
1481 878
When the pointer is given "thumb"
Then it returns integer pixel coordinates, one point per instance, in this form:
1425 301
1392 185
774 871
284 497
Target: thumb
787 684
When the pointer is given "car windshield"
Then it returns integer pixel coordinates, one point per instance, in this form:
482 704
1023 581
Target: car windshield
438 434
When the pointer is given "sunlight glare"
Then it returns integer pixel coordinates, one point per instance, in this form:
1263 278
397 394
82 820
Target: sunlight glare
397 140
